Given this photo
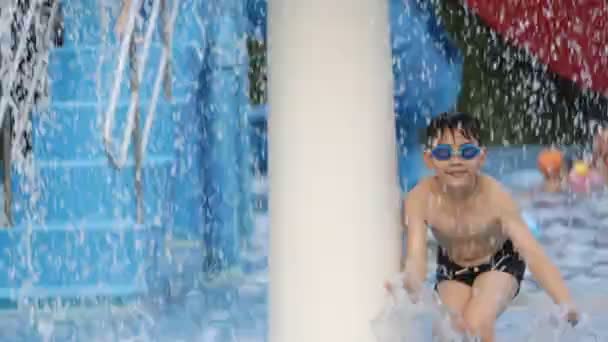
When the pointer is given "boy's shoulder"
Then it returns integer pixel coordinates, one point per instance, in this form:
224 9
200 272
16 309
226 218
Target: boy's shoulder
422 188
418 194
426 185
491 186
490 183
496 192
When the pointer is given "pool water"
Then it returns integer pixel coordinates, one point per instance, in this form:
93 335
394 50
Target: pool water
574 233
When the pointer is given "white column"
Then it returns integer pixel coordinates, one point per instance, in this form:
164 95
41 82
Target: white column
334 196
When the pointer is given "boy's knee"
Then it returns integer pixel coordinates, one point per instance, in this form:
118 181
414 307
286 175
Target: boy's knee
479 325
459 324
450 328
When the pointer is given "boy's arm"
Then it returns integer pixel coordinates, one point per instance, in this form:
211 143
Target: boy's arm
542 268
415 263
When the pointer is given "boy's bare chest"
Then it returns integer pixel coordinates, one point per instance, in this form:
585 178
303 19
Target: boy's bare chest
477 221
466 228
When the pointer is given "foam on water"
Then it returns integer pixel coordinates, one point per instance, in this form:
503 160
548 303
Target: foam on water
573 230
402 320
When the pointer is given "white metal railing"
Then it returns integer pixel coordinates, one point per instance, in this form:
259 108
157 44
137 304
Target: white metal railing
122 59
119 158
161 77
117 155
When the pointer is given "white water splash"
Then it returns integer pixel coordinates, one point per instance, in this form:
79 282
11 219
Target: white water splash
428 320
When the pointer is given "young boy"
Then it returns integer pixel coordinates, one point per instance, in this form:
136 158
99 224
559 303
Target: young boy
484 242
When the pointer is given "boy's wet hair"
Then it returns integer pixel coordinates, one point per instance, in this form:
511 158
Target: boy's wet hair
462 122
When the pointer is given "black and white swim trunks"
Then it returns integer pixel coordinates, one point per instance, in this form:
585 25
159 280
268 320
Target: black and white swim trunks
505 260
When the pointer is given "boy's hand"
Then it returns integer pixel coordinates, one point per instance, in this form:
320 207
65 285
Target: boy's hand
388 287
573 317
408 285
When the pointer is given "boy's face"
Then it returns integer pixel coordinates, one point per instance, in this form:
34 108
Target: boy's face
456 159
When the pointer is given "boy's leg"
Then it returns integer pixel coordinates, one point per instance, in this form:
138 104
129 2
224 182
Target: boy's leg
492 292
455 295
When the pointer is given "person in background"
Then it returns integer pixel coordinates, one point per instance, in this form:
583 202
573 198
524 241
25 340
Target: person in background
561 173
554 168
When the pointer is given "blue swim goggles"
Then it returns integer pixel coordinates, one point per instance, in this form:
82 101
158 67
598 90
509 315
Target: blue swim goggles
465 151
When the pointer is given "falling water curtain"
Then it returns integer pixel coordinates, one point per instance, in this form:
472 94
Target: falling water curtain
17 86
223 93
570 37
534 71
427 69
